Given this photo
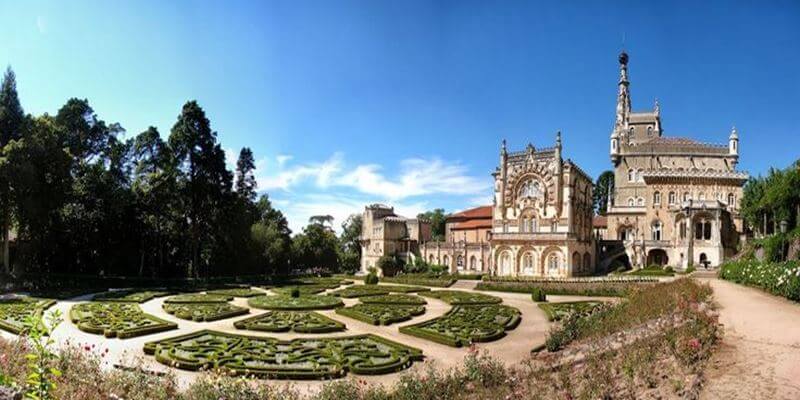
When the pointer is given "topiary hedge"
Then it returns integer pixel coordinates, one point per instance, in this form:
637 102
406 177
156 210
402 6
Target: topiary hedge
559 311
317 358
395 299
14 312
457 297
204 312
310 302
122 320
420 280
303 290
576 288
199 298
294 321
375 290
236 292
538 295
381 314
464 325
133 296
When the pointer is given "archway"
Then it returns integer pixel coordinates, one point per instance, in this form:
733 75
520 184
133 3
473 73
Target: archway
657 257
506 263
587 262
473 263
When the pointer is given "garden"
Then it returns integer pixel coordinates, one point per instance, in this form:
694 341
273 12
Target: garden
779 278
559 311
16 311
616 286
374 290
236 292
282 302
457 297
467 324
199 298
126 296
394 299
290 321
294 359
204 312
116 319
381 314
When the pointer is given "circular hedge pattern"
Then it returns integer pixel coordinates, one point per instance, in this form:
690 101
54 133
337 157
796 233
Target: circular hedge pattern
122 320
129 296
381 314
266 357
295 321
395 299
457 297
464 325
374 290
236 292
199 298
204 312
311 302
304 290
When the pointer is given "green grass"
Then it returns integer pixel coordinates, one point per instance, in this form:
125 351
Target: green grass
464 325
314 358
381 314
290 321
310 302
457 297
559 311
204 312
116 319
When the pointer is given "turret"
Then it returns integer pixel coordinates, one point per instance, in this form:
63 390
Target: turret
733 146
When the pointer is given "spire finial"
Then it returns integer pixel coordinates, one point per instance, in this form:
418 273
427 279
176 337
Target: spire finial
503 147
558 139
657 107
734 133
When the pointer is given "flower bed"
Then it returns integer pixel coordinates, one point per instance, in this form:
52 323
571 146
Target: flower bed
311 302
457 297
375 290
133 296
271 358
199 298
395 299
14 312
236 292
122 320
559 311
294 321
781 279
577 288
464 325
204 312
381 314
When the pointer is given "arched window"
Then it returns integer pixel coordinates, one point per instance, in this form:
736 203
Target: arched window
731 200
531 188
430 259
671 198
630 202
682 229
686 196
657 198
473 263
524 226
446 260
460 262
656 230
587 262
527 263
533 225
698 231
576 261
707 231
640 202
631 175
649 131
553 263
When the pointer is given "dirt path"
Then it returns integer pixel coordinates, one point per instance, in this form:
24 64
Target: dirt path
760 353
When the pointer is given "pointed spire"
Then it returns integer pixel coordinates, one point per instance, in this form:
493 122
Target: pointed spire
734 133
503 148
657 107
623 96
558 139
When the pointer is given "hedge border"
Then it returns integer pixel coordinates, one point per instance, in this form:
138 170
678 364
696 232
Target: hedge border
355 312
419 330
181 310
333 303
247 324
160 326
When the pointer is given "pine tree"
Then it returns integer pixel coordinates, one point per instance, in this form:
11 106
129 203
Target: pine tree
11 123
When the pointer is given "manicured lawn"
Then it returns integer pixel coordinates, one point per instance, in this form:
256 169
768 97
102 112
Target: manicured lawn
457 297
204 312
133 296
559 311
311 302
381 314
115 319
316 358
464 325
14 312
294 321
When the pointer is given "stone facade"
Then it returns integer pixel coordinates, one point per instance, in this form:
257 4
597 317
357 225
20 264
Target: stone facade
675 200
465 248
385 233
542 216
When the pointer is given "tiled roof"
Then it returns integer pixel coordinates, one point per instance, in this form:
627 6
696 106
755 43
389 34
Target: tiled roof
473 224
477 212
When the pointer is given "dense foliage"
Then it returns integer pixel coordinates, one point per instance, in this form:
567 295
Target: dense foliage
603 187
464 325
778 278
771 199
437 219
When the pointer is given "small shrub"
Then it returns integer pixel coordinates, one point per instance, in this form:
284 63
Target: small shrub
669 269
295 292
371 279
538 295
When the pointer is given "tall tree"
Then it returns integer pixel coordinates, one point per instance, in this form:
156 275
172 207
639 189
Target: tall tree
11 123
271 237
205 182
437 219
315 248
350 243
245 178
603 188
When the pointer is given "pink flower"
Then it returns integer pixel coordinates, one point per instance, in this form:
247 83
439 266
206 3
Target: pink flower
694 344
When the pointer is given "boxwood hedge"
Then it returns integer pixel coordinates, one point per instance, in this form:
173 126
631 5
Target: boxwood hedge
199 298
458 297
14 312
236 292
310 302
464 325
304 290
381 314
134 296
375 290
204 312
122 320
395 299
294 321
313 358
559 311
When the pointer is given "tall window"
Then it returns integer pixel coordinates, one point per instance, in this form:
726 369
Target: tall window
671 198
731 200
657 198
630 202
473 263
640 202
631 175
707 231
533 225
524 226
553 263
554 226
686 196
656 230
527 263
682 229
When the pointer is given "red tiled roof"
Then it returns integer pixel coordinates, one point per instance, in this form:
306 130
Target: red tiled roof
599 221
473 224
477 212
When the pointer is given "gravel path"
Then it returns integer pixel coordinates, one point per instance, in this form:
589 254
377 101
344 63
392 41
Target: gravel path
760 353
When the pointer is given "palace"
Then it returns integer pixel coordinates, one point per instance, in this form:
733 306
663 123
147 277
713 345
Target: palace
675 200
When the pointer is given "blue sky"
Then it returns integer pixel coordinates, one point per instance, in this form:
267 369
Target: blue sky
345 103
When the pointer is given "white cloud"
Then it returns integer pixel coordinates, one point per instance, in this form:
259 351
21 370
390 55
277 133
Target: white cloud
321 173
282 159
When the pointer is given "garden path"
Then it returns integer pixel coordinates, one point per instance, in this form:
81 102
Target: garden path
760 353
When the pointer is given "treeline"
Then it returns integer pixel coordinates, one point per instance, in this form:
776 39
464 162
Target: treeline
82 200
771 199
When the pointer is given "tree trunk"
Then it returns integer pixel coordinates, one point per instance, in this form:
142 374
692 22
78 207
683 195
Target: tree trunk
6 239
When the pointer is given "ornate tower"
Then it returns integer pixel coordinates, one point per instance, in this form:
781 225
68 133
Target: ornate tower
733 147
623 108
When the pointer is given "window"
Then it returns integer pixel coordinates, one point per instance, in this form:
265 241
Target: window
527 263
640 202
707 231
671 198
631 175
731 200
553 263
682 229
657 198
630 202
656 230
460 262
702 196
446 260
531 189
686 196
698 230
554 226
649 131
533 225
505 227
473 263
524 225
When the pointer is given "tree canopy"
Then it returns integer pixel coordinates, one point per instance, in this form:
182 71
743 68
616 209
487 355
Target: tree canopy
437 218
603 188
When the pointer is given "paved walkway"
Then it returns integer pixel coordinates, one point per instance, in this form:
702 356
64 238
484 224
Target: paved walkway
760 353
